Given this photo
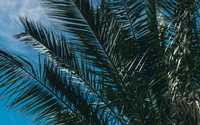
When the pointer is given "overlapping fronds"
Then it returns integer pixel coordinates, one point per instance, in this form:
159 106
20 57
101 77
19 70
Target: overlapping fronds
123 62
88 30
184 44
54 96
183 49
29 92
60 51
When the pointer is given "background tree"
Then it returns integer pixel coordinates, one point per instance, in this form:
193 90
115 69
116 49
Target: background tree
122 62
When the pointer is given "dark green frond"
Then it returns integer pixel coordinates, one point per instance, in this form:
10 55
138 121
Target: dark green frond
133 62
87 37
61 52
47 96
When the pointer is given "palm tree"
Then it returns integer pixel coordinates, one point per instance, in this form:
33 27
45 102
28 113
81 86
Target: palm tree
122 62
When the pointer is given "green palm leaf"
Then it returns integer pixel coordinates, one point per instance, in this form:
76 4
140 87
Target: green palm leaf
123 62
59 51
84 26
52 96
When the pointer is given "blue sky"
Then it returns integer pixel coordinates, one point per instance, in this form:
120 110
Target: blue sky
9 12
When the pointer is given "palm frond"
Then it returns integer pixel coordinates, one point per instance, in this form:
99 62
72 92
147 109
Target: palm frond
51 97
124 62
182 50
61 53
127 12
87 29
183 44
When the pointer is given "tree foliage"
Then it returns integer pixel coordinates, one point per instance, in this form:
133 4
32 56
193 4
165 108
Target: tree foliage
122 62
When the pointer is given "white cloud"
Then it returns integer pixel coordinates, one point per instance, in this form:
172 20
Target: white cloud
10 10
32 9
14 8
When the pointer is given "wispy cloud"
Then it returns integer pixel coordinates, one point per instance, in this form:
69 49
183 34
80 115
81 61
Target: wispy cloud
14 8
10 10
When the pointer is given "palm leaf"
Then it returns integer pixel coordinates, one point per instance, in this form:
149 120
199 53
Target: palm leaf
61 53
86 27
126 62
51 97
